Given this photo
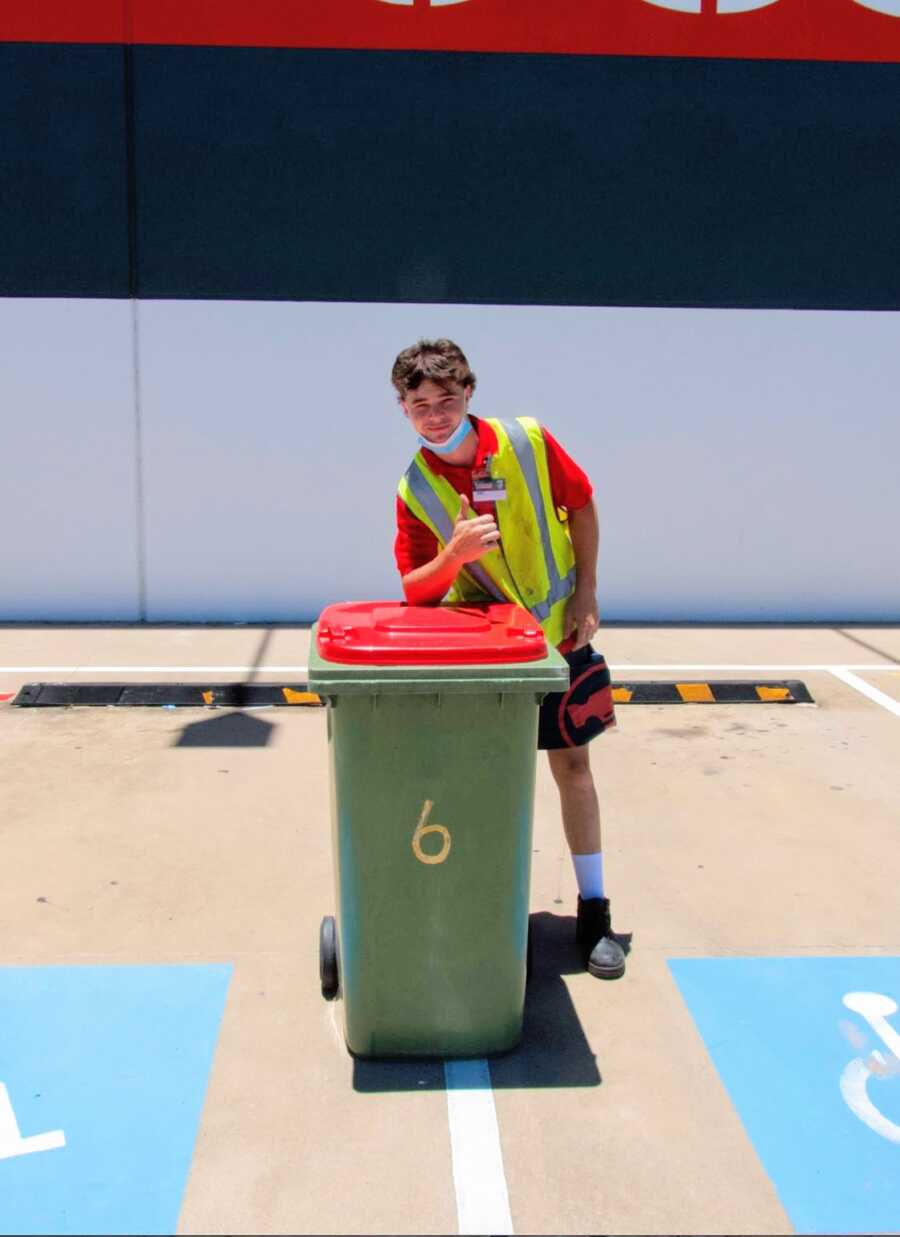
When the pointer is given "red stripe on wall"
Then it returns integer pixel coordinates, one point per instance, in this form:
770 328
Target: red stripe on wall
785 29
58 21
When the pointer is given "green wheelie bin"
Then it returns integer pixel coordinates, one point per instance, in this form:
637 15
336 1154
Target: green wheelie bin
432 734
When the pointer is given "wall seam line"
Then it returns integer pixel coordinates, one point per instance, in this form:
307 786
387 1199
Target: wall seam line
131 207
139 463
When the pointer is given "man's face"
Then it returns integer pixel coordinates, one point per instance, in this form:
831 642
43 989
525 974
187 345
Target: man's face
435 411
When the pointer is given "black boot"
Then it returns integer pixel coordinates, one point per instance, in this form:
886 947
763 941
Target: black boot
601 952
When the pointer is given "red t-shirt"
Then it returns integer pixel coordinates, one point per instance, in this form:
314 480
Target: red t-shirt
417 545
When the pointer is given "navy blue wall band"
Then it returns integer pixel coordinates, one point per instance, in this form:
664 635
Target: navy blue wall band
63 182
397 176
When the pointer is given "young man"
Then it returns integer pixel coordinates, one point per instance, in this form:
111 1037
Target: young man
497 510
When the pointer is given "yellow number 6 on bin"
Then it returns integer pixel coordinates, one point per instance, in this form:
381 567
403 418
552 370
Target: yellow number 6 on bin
422 828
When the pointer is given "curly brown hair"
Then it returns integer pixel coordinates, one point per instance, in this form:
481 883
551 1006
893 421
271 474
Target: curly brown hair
438 360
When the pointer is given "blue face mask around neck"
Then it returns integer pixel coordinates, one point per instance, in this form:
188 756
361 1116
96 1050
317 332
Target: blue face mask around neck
455 439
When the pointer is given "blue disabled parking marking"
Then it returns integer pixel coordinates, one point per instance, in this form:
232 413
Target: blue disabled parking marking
103 1074
809 1052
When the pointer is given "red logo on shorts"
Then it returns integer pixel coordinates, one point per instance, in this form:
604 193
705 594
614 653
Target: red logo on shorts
587 707
581 714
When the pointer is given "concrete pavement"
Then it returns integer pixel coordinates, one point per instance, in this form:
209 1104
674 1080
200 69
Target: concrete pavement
141 836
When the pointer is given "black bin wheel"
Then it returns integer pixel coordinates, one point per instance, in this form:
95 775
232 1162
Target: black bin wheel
529 953
328 960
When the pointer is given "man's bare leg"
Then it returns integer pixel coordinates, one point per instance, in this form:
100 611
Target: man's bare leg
571 769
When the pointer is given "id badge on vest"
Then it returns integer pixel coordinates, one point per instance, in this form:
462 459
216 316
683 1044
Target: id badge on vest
486 488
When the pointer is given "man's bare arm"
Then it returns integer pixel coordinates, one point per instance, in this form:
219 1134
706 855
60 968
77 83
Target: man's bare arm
581 613
428 584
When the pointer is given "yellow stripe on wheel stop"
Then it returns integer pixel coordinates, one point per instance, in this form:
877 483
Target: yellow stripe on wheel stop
695 693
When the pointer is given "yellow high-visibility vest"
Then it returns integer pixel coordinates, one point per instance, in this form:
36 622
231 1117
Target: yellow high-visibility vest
535 563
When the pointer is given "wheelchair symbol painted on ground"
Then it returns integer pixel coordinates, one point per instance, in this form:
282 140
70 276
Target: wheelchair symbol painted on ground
875 1008
11 1141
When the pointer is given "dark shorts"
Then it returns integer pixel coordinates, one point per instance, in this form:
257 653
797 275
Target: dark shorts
574 717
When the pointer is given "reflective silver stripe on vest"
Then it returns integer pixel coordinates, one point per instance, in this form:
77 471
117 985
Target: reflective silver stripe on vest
434 508
437 513
560 586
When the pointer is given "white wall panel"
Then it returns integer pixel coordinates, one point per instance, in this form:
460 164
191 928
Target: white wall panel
745 461
68 504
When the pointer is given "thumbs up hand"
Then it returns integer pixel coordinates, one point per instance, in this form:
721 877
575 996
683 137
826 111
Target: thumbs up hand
473 536
465 511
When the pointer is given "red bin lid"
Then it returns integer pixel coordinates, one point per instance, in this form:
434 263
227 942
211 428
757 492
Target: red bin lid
389 633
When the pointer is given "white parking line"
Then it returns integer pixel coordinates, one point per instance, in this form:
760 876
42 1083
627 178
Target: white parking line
154 669
482 1199
866 689
755 668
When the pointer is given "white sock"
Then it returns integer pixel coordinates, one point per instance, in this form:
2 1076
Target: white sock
589 874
